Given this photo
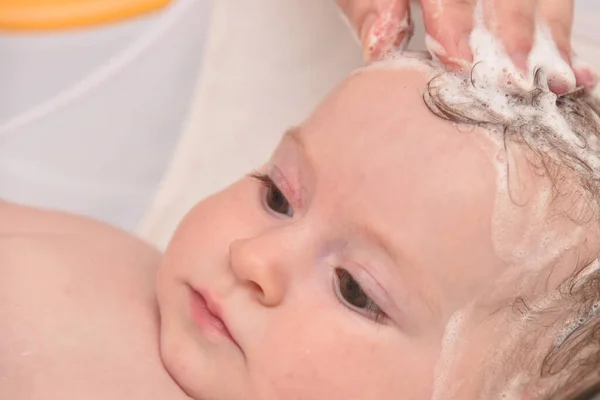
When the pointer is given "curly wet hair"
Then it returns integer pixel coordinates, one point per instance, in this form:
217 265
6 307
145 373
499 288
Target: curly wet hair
570 369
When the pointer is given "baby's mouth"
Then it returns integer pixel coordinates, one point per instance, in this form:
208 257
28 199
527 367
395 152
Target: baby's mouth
206 313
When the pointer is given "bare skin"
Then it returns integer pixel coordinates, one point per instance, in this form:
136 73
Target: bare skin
450 22
361 263
78 311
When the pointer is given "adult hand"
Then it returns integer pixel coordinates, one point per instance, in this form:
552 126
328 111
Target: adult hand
383 25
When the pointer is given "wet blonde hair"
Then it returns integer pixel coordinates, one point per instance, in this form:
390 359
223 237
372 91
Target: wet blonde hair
570 368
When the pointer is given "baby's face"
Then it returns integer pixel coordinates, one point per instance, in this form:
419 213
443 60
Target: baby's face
337 275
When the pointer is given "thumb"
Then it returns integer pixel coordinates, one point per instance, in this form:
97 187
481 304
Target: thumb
358 12
382 26
449 23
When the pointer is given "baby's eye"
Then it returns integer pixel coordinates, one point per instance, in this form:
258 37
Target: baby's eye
353 296
274 199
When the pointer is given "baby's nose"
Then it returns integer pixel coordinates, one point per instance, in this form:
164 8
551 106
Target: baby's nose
259 267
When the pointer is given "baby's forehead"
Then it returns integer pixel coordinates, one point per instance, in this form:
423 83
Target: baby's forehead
376 126
377 122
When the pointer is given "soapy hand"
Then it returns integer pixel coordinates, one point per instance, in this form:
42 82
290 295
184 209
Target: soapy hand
384 25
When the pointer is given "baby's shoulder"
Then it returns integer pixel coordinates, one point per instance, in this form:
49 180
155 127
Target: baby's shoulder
76 299
20 219
43 247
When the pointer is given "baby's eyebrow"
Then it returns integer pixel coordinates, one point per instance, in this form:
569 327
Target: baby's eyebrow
383 241
380 240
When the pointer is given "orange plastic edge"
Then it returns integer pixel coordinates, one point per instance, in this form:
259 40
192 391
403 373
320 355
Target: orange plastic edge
39 15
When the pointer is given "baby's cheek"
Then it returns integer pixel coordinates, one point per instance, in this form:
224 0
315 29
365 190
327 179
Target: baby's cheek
312 357
310 367
206 232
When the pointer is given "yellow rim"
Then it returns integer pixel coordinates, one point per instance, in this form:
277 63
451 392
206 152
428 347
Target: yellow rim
35 15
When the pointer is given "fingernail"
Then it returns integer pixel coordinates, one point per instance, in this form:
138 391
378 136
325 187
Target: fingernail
561 82
520 60
586 78
563 79
385 36
461 62
558 85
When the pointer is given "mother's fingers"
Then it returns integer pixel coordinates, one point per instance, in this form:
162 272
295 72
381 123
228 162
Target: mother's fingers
449 23
358 12
558 16
390 32
584 74
513 21
382 26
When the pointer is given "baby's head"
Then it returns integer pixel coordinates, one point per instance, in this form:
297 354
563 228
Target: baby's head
377 255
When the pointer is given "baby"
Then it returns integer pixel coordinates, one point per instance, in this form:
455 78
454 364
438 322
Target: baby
382 253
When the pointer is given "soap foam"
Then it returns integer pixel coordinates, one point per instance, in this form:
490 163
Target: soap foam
545 54
540 242
448 355
492 83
